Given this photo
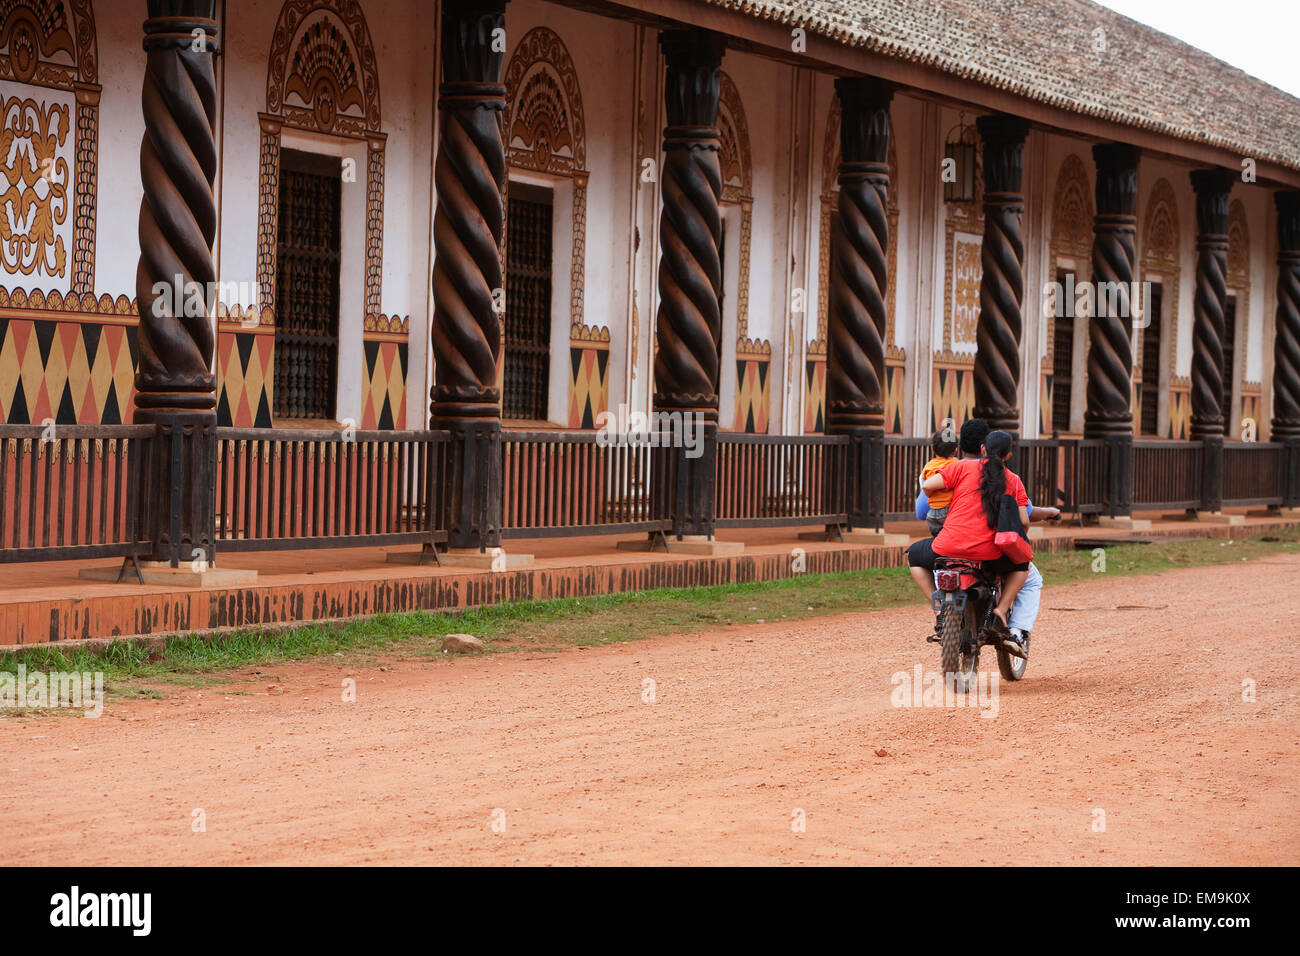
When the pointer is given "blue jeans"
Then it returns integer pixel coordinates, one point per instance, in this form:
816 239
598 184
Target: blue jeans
1024 610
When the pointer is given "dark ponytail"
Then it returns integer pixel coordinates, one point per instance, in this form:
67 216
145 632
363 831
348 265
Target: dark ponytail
993 481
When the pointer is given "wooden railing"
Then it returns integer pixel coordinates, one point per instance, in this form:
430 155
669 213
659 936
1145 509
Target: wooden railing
1254 473
306 489
74 491
774 480
66 491
570 483
1167 474
904 459
1085 476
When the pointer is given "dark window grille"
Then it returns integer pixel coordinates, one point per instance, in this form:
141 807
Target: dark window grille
1229 352
1062 361
528 305
1152 338
307 286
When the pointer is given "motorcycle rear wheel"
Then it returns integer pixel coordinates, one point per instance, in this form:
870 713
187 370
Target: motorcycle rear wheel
961 650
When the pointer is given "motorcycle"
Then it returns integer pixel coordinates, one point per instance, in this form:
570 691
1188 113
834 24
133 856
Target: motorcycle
964 599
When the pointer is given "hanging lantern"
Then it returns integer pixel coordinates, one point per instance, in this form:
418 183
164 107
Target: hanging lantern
959 163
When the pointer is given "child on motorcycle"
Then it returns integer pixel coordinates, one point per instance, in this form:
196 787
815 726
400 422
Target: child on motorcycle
944 446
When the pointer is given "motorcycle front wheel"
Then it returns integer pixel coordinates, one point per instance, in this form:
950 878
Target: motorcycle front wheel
1012 667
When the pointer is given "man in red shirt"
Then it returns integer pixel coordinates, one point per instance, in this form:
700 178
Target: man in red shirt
968 531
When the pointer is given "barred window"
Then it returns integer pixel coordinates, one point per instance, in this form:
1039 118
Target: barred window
307 286
528 303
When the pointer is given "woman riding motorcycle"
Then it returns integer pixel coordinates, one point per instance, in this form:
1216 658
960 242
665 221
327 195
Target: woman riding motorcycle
978 485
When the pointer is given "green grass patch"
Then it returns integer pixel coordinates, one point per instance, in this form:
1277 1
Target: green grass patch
135 671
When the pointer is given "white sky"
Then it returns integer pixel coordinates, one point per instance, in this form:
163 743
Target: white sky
1258 36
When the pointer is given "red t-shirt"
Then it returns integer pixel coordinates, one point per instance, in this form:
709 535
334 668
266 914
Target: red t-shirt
966 532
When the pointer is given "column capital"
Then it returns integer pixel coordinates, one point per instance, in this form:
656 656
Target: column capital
1004 150
693 83
1288 222
1212 187
1117 190
469 53
864 118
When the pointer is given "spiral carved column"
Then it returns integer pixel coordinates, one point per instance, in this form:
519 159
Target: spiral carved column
1109 387
468 286
1212 188
1208 413
1002 284
859 279
689 319
175 385
1286 344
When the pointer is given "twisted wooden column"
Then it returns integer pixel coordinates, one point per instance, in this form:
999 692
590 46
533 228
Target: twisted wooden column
468 286
1286 344
1110 355
175 385
1002 284
689 319
859 279
1109 385
1208 413
1212 186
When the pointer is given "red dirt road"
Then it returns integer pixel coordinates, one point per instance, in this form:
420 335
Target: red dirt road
1138 714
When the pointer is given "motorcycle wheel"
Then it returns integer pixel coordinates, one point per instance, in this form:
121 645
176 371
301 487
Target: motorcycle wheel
1012 667
960 656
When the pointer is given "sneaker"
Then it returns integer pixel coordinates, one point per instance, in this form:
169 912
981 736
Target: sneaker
1017 644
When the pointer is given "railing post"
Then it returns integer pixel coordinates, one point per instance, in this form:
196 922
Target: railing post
1291 473
1119 493
175 385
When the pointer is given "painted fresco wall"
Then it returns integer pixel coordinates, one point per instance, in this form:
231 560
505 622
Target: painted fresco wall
585 116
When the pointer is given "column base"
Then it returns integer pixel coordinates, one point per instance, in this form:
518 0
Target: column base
700 544
162 573
871 539
1274 513
493 559
1218 517
1124 523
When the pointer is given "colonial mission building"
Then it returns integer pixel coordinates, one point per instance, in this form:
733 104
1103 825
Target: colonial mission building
836 216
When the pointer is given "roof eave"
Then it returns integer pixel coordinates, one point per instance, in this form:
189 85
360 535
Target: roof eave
771 38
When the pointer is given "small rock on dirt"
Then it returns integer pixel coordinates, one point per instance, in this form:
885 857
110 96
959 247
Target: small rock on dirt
462 644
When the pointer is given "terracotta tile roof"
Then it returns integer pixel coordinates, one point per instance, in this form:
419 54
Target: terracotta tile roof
1044 50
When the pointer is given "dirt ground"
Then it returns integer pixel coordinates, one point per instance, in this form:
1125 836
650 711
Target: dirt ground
1129 742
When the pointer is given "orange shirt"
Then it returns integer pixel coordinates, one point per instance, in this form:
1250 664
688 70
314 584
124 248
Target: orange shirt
940 499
